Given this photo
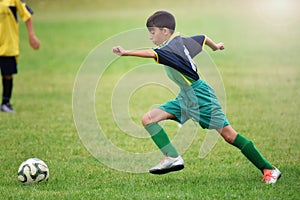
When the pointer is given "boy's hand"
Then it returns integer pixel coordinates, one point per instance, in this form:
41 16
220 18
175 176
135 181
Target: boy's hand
34 42
118 50
214 46
220 46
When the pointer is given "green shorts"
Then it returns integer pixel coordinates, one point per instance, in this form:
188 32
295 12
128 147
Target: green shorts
198 102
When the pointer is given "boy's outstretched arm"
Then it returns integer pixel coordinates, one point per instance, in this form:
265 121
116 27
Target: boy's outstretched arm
147 53
214 46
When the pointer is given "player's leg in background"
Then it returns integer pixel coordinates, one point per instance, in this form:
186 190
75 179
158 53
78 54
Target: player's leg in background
7 84
8 68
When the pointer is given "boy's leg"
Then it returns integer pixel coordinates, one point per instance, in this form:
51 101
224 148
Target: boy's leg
161 139
246 146
271 174
172 162
159 136
250 151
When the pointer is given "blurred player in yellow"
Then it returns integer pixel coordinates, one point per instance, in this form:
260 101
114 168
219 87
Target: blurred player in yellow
9 44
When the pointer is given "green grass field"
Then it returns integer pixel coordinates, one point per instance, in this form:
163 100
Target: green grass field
259 68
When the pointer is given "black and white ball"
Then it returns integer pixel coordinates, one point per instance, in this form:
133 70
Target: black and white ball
33 170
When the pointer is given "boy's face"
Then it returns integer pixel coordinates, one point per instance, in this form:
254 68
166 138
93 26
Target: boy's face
159 35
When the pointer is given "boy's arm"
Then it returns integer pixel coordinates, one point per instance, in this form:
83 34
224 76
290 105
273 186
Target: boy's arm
147 53
33 40
214 46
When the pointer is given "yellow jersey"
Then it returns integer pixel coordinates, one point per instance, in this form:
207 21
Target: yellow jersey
9 29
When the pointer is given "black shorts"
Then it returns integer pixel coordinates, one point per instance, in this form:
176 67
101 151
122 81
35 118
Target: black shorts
8 65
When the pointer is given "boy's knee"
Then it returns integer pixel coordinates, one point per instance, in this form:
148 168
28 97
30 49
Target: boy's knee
146 119
229 134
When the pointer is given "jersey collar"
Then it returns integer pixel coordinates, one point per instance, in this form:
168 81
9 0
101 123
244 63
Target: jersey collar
174 35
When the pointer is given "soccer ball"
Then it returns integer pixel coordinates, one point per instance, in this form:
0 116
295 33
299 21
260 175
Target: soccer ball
33 170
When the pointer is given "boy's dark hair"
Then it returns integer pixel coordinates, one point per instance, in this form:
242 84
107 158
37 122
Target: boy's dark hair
162 19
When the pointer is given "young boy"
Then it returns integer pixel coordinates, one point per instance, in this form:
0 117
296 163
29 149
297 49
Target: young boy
196 99
9 44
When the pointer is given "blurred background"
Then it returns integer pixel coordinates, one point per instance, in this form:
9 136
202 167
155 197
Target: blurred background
251 30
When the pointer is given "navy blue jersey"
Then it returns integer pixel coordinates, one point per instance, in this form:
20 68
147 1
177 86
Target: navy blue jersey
176 54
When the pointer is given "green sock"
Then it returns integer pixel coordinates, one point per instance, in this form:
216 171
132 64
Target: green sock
161 139
249 150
